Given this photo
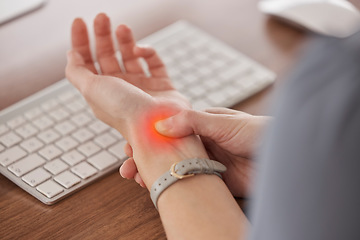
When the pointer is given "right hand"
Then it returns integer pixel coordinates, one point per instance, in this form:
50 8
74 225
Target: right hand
229 136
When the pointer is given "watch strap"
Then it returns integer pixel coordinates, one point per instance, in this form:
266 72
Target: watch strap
184 169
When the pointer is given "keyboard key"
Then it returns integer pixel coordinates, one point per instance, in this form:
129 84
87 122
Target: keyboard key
11 155
50 152
118 150
36 177
234 71
76 106
50 189
56 166
174 71
212 83
189 78
48 136
201 104
217 98
187 65
33 113
217 63
83 135
90 112
43 122
247 83
116 134
66 143
89 149
105 140
59 114
67 179
26 164
66 96
31 145
84 170
179 85
3 129
10 139
98 127
81 119
15 122
73 157
2 148
102 160
197 91
65 128
204 70
232 91
50 105
26 130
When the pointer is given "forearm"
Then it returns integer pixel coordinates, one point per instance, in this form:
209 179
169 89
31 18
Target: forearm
200 207
153 160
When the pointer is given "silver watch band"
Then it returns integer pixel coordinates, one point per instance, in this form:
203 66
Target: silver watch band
184 169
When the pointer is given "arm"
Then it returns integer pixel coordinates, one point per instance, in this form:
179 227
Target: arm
229 137
196 208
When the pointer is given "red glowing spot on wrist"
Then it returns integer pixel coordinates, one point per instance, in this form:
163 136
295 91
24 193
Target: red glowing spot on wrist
149 131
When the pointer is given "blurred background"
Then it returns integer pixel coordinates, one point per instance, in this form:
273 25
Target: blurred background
33 46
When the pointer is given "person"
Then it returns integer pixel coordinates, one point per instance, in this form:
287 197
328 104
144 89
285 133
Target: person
303 190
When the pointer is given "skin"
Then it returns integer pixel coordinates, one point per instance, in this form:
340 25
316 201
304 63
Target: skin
229 136
199 207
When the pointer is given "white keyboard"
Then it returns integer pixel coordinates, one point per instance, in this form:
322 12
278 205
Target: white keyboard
51 144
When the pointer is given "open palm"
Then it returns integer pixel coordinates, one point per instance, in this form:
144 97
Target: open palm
114 83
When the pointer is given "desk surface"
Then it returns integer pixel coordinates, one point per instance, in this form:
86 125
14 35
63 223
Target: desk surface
32 54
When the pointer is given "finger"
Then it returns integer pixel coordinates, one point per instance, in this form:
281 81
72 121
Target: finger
128 169
77 72
185 123
80 42
228 111
220 110
126 45
104 45
139 180
153 60
189 122
128 150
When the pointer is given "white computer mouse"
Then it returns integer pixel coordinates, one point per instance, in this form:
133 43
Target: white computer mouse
337 18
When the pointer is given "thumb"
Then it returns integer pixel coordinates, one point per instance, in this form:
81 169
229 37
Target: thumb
76 71
74 58
189 122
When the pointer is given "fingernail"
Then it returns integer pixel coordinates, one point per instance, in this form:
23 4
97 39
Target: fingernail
120 171
143 45
164 126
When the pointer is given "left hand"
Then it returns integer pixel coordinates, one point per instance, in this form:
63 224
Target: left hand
113 85
128 100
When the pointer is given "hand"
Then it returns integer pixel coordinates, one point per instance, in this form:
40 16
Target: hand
128 100
80 66
229 136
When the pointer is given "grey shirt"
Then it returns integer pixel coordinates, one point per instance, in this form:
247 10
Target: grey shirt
309 183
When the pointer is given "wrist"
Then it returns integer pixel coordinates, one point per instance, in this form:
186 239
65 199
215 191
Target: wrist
185 169
153 162
154 153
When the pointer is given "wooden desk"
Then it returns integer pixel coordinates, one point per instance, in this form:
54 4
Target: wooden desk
32 54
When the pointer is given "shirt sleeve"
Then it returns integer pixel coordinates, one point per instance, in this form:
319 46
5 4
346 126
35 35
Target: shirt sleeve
308 186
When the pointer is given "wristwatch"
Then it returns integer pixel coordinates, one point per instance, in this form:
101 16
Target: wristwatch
184 169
